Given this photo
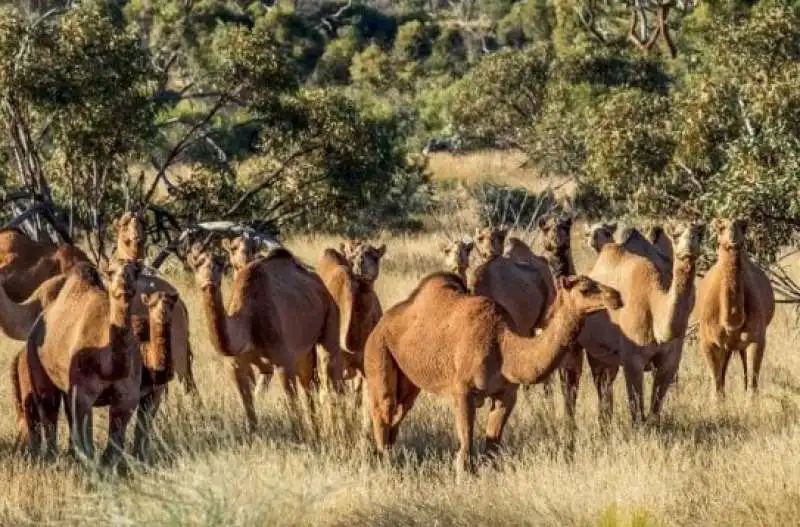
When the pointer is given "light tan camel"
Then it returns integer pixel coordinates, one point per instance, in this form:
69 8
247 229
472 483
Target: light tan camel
277 312
456 256
130 246
27 263
490 241
83 346
736 304
647 333
446 341
350 276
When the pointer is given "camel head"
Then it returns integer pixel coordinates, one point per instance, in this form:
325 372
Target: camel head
687 238
130 236
599 234
731 234
489 241
241 250
584 295
159 309
456 254
207 266
364 259
122 277
556 233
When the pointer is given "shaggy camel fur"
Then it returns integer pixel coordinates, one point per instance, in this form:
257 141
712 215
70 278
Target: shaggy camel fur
647 333
736 304
446 341
130 246
83 346
277 312
350 276
456 256
27 263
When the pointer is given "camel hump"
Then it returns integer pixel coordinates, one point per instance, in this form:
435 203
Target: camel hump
280 253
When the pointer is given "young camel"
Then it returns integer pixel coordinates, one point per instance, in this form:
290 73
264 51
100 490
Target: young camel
736 304
647 333
350 276
446 341
27 263
277 312
130 246
83 347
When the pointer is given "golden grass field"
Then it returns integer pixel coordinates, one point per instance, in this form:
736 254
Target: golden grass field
735 464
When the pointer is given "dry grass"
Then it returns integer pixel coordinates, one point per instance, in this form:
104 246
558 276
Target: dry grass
735 464
496 166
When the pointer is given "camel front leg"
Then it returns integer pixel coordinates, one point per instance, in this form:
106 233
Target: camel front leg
243 376
718 360
464 408
81 426
46 423
603 376
502 406
634 380
570 373
118 418
145 414
665 371
755 353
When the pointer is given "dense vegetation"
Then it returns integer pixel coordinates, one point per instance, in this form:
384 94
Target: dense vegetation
312 114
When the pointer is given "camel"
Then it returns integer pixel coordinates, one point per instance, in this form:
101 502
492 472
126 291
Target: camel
736 304
489 242
28 263
456 256
350 276
445 341
83 347
647 333
130 246
156 354
276 314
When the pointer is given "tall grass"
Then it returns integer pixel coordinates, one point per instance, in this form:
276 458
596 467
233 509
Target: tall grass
732 464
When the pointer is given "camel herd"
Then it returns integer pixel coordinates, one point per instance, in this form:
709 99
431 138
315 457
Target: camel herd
499 316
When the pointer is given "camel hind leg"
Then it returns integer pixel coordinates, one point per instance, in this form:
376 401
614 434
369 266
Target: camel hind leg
243 376
464 408
755 354
182 355
502 407
570 375
329 352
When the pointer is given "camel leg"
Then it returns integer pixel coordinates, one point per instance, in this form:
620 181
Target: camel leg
603 377
407 393
717 359
329 352
665 372
634 380
47 423
502 407
81 410
743 359
570 373
118 418
145 414
243 376
464 407
755 352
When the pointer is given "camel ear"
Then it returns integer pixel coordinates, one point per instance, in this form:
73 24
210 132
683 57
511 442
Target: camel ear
381 250
148 299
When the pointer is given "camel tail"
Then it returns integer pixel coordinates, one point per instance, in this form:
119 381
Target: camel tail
383 379
187 375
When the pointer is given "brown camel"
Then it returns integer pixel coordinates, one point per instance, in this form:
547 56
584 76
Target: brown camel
446 341
456 256
276 314
83 347
27 263
350 276
647 333
130 246
736 304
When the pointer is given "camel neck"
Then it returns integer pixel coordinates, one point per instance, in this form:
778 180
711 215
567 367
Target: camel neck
119 338
158 346
217 319
731 265
672 308
531 359
560 262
